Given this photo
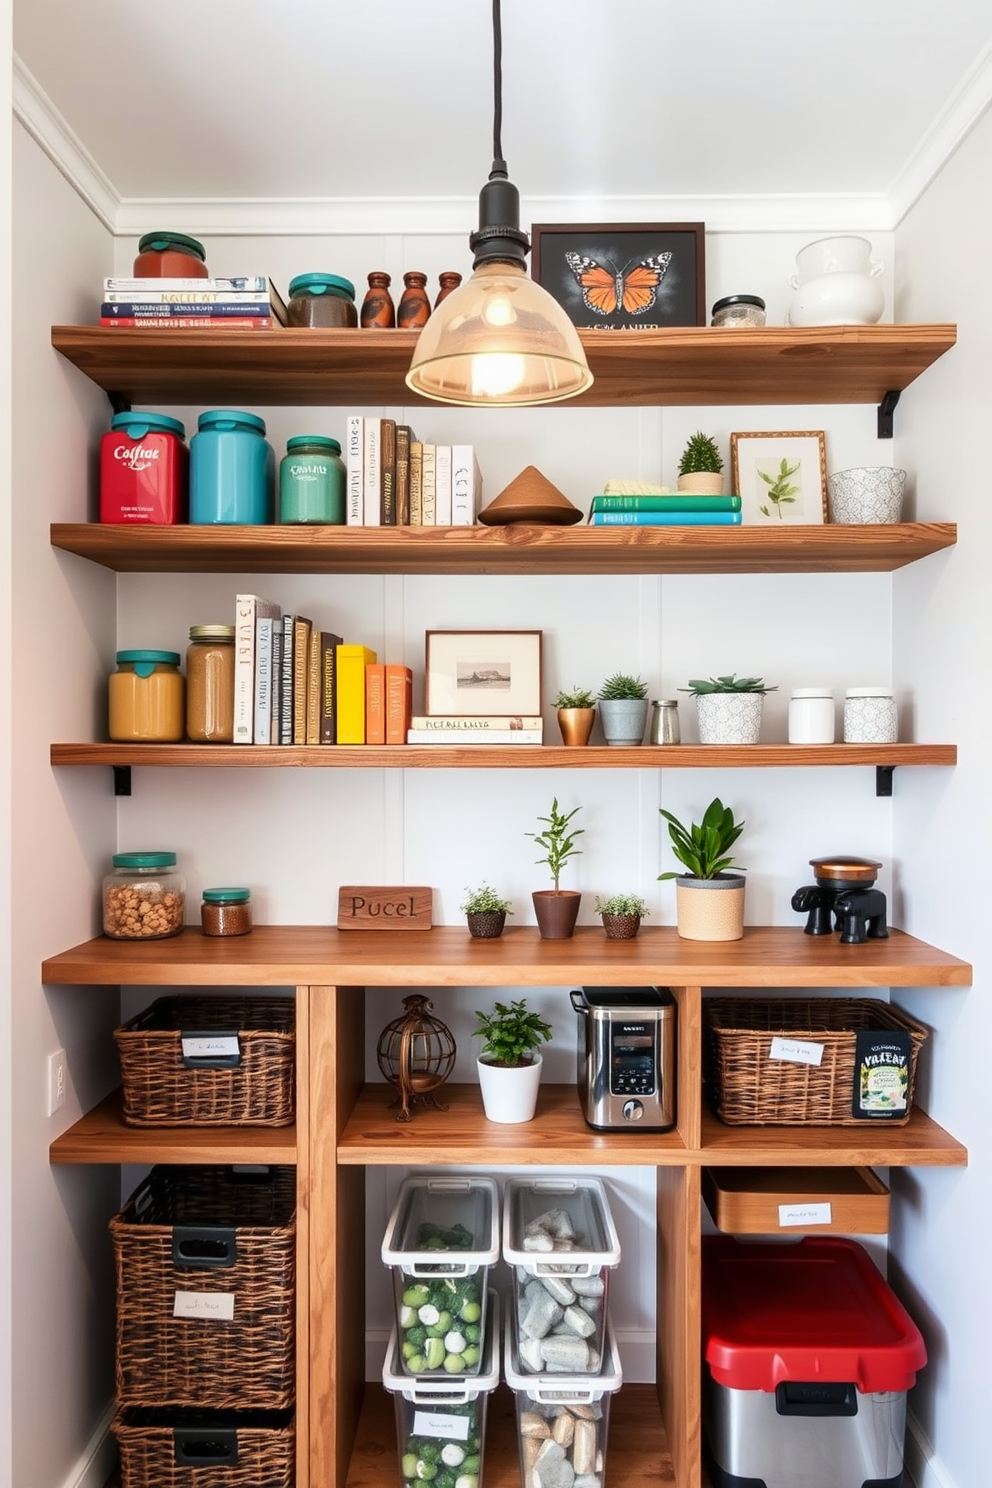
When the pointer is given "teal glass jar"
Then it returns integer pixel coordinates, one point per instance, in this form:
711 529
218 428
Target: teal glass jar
232 469
321 301
312 481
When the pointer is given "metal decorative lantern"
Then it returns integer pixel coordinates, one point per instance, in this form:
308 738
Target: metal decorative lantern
416 1053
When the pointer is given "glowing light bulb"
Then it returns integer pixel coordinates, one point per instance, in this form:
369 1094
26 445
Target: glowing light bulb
495 374
498 310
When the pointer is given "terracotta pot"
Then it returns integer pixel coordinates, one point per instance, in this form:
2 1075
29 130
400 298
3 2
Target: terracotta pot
621 927
509 1095
556 913
486 924
576 724
710 908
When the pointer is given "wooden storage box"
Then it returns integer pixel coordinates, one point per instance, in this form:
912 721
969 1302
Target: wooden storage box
206 1271
204 1449
749 1086
210 1061
794 1201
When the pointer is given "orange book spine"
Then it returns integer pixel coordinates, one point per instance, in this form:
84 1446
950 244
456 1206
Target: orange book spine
399 703
375 704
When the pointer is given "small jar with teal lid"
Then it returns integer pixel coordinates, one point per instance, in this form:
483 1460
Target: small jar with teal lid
147 698
320 300
226 911
170 255
144 898
232 470
312 481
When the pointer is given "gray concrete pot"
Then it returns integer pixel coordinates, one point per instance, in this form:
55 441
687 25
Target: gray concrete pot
623 719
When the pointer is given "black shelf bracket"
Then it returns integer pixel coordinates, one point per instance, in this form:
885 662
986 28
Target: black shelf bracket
883 779
120 404
886 409
122 780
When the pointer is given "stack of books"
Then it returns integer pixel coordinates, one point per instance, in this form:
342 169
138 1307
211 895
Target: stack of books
664 509
250 302
398 480
492 729
297 684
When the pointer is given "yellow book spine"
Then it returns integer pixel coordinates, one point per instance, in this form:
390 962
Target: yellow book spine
352 661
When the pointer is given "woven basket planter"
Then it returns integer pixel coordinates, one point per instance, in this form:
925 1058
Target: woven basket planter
177 1449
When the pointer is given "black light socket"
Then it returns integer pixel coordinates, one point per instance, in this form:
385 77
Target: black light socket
498 237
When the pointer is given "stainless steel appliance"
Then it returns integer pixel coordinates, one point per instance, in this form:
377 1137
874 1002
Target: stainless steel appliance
626 1057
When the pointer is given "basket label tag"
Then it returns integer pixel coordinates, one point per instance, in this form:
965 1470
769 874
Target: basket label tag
216 1307
796 1051
210 1046
804 1214
881 1073
438 1423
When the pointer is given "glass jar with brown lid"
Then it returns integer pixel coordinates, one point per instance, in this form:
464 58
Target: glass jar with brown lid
210 684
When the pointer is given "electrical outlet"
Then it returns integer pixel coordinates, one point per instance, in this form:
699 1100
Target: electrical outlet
56 1081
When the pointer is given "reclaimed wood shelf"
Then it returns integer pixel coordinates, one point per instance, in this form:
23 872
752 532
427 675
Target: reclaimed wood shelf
677 366
520 548
920 1143
101 1136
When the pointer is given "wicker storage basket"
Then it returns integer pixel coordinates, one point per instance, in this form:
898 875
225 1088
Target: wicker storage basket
218 1247
251 1086
201 1449
748 1088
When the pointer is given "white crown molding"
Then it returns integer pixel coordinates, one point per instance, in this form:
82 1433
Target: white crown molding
956 120
46 126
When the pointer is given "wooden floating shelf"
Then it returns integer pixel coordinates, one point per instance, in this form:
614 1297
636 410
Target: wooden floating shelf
101 1136
501 757
520 548
320 955
920 1143
682 366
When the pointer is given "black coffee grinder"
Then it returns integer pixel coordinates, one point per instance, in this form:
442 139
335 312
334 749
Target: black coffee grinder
843 899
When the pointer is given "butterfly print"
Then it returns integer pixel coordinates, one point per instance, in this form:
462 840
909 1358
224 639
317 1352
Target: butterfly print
605 290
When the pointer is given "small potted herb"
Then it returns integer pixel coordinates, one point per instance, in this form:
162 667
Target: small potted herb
622 915
623 708
701 466
576 715
728 709
709 900
556 909
509 1064
486 912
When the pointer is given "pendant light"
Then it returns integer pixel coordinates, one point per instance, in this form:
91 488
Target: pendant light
499 338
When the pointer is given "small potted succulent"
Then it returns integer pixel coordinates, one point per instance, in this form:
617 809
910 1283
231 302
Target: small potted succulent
728 709
701 467
556 909
709 900
576 715
486 912
622 915
509 1065
623 709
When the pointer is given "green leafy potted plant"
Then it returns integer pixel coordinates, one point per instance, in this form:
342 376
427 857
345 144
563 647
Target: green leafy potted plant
509 1064
709 900
486 912
728 709
622 915
623 709
701 466
576 715
556 909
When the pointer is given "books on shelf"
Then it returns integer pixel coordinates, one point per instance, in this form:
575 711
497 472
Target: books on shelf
375 703
355 471
352 661
466 485
442 485
302 626
399 702
477 736
395 479
169 322
472 725
248 610
329 643
665 519
372 477
673 502
251 295
387 480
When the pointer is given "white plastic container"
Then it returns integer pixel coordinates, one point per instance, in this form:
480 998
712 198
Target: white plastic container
560 1239
441 1423
441 1239
561 1419
811 716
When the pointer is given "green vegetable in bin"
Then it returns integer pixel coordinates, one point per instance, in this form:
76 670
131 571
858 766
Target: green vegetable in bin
436 1237
416 1295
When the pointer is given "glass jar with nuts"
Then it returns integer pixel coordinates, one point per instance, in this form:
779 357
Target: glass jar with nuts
145 897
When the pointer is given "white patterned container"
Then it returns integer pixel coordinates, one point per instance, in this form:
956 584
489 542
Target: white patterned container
870 716
866 494
729 717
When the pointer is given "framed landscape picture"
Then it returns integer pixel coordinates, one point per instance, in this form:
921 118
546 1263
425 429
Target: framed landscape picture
480 672
780 477
623 277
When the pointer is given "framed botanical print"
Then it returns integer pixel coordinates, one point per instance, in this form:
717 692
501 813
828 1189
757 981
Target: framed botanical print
781 477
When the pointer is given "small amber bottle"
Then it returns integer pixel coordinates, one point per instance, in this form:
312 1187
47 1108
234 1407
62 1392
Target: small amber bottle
448 281
378 309
414 307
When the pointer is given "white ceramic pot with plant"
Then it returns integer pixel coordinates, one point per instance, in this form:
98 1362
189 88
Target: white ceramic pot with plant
623 709
701 467
728 709
576 715
622 915
556 909
709 901
485 912
509 1065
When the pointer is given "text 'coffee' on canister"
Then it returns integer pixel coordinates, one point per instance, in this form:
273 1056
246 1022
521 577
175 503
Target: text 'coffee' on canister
144 470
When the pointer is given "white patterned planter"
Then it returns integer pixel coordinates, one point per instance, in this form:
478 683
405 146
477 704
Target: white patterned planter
866 494
729 717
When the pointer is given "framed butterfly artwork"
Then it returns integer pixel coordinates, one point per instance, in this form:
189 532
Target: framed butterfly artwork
623 277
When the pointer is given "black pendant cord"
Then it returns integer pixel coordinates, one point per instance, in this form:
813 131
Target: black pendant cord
498 86
498 238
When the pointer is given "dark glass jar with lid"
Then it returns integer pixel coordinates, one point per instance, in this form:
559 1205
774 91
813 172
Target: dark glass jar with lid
739 310
170 255
321 300
226 911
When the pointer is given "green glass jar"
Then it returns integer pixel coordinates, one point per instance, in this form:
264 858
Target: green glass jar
312 481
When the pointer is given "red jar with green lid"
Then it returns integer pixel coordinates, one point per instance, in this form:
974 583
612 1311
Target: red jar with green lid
170 255
144 470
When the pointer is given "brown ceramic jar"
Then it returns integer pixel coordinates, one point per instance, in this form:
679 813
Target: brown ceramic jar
378 310
414 307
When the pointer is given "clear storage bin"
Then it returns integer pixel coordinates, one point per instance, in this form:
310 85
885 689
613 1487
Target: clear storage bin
441 1239
560 1239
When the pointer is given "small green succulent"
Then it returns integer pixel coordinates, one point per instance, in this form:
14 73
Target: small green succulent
631 905
700 454
703 846
698 686
622 685
578 697
484 900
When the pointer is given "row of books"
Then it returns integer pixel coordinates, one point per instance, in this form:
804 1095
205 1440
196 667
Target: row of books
665 510
395 479
491 729
248 302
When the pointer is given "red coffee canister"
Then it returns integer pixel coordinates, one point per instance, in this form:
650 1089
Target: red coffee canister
144 470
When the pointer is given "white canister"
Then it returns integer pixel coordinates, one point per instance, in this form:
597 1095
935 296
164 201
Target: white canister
870 716
811 716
